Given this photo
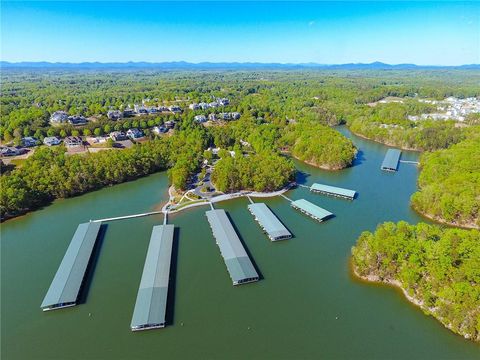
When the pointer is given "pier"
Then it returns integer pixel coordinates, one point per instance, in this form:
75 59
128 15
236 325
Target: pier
333 191
151 304
390 162
236 259
68 280
312 210
129 216
270 224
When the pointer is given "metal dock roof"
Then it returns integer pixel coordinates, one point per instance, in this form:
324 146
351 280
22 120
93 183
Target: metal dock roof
333 190
151 304
236 259
269 222
390 162
311 209
66 284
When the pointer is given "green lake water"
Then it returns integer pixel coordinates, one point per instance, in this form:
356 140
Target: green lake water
306 306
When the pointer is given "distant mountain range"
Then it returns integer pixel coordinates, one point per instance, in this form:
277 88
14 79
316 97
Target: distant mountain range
182 65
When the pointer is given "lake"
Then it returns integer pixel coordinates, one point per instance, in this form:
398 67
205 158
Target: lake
307 304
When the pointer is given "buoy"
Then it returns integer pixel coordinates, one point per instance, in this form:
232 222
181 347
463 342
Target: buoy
181 324
89 314
336 317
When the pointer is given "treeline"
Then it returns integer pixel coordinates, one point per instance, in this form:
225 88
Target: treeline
388 124
319 145
449 183
438 267
50 173
267 171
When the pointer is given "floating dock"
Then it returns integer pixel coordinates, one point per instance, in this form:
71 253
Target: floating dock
333 191
151 304
311 210
236 259
390 162
66 284
270 224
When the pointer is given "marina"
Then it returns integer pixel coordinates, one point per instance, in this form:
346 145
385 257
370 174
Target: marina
270 224
236 259
333 191
151 303
312 210
68 280
219 312
390 162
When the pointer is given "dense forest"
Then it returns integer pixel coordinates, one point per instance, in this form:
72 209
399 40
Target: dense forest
319 145
267 171
449 183
439 269
292 111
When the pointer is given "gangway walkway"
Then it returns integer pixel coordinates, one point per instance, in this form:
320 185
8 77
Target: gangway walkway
129 216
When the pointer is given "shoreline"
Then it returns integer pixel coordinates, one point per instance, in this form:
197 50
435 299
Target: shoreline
440 221
375 279
384 143
220 198
323 167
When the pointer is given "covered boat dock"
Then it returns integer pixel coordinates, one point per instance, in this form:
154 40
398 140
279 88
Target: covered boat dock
236 259
270 224
151 304
312 210
68 280
333 191
390 162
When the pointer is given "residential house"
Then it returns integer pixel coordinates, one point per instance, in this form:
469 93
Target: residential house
11 151
224 116
194 106
59 117
77 120
212 117
223 102
128 112
134 133
29 141
114 114
200 118
51 140
235 115
203 106
175 109
73 141
159 130
170 124
118 136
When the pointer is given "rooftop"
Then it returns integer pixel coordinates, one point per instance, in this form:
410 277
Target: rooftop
269 222
390 162
236 259
67 282
151 304
311 209
333 190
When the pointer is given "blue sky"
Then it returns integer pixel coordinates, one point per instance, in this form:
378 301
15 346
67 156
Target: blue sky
435 33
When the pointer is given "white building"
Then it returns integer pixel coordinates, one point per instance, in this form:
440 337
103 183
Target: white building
51 141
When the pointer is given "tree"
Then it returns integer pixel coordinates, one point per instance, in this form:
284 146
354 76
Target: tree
7 136
98 131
